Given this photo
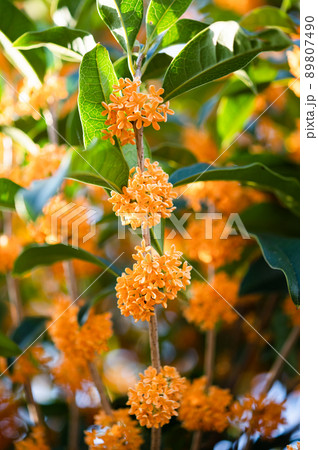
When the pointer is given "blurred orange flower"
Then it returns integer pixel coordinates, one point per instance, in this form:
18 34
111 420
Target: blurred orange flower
35 440
9 250
293 57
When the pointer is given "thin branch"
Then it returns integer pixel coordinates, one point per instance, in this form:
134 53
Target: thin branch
100 387
209 356
73 425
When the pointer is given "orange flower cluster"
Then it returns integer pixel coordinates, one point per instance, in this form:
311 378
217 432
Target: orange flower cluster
79 343
156 397
130 107
35 441
293 57
146 199
292 311
9 250
206 307
293 143
200 143
205 410
29 364
116 432
226 196
153 280
258 415
53 227
33 98
289 447
219 249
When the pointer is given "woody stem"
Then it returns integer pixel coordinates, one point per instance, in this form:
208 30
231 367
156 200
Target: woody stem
153 326
70 279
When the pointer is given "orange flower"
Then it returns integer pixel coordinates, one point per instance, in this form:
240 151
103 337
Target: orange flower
116 432
292 311
153 280
241 7
205 410
129 107
156 397
293 143
258 415
35 441
147 199
215 249
293 57
289 447
200 143
29 364
9 250
270 134
206 307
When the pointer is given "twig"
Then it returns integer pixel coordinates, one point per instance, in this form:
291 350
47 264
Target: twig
209 356
73 425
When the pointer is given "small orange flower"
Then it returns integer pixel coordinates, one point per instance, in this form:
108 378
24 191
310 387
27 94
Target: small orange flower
9 250
293 57
258 415
146 199
156 397
205 410
35 441
206 306
129 106
116 432
29 364
153 280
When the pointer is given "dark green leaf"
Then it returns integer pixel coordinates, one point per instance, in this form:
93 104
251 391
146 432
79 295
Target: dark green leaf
74 130
45 255
8 191
282 253
8 347
256 175
157 66
123 18
29 202
260 278
268 16
121 67
101 164
65 42
29 330
176 155
232 114
162 14
182 32
97 77
219 50
13 23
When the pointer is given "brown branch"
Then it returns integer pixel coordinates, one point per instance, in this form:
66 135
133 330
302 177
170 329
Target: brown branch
209 356
73 425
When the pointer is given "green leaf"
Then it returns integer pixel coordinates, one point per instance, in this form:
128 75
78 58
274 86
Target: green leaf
267 16
13 22
97 77
29 202
158 236
123 18
45 255
220 49
232 114
176 155
8 347
163 14
8 191
255 175
121 67
130 153
101 164
182 32
282 253
65 42
157 66
21 138
29 330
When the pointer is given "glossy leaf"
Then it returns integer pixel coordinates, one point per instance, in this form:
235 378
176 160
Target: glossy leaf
97 77
222 48
268 16
182 32
29 330
101 164
123 18
8 347
65 42
255 175
157 66
8 191
162 14
45 255
283 253
29 202
176 155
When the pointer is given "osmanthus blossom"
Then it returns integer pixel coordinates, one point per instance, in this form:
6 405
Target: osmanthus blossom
147 198
35 440
153 280
156 397
130 107
118 431
10 248
259 414
205 409
29 364
206 306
